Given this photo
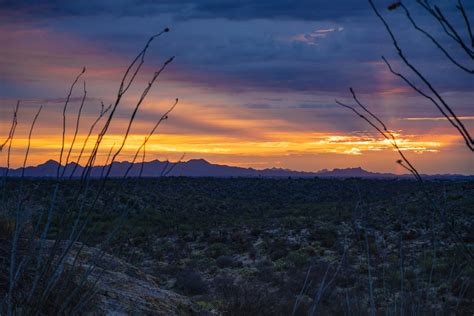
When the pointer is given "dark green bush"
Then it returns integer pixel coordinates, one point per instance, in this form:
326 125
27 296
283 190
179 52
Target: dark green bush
190 282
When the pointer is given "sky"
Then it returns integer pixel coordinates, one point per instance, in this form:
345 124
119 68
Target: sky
256 81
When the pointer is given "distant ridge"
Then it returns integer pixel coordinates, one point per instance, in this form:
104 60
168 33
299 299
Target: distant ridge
202 168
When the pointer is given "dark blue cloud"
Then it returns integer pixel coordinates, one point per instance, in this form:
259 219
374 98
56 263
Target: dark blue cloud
309 10
231 9
238 46
277 9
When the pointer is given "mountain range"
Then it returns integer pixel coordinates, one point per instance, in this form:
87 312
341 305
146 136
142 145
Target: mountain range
202 168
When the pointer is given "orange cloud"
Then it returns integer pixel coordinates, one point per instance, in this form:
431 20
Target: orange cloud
463 118
277 145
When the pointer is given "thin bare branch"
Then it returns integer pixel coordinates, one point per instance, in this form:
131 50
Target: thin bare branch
414 87
382 130
13 275
137 107
12 126
76 130
436 42
466 21
446 25
122 89
166 171
103 111
64 119
405 163
151 133
465 132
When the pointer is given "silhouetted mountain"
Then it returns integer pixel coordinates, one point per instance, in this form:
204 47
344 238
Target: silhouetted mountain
354 172
199 168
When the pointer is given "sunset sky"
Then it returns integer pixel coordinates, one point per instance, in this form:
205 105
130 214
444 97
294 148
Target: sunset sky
256 81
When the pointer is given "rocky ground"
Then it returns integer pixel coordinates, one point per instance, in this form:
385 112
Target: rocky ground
123 289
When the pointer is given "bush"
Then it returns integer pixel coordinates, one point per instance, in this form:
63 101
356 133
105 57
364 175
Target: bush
298 258
253 253
217 250
7 227
225 262
240 242
327 236
277 249
191 283
246 299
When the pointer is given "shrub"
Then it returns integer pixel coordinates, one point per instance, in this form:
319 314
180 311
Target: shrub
253 253
327 236
7 227
190 282
217 249
298 258
247 299
277 249
240 243
225 261
255 232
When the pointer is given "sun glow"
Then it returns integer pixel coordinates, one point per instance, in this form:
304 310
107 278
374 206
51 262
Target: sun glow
48 147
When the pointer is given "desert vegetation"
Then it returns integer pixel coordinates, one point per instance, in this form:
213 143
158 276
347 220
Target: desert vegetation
288 246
